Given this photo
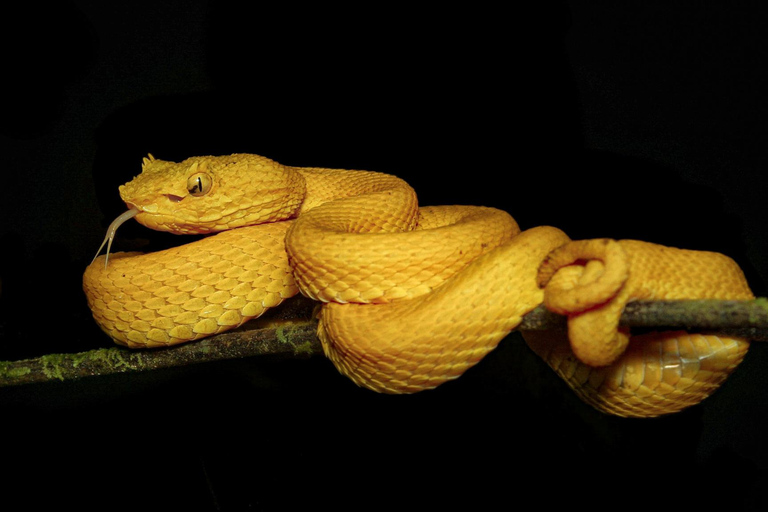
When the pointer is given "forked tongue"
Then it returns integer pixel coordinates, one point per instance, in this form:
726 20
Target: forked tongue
111 230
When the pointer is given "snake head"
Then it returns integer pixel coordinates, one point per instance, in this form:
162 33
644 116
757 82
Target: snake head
213 193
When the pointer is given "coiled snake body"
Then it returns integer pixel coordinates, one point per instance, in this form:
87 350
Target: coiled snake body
413 296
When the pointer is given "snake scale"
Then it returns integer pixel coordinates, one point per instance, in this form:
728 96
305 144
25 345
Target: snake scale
413 296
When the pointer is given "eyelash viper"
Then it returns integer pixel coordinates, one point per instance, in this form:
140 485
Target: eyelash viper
413 296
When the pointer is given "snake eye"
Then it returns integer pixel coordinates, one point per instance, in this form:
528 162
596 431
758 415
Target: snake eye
199 184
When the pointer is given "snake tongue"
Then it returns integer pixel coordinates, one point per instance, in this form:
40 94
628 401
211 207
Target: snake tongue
111 230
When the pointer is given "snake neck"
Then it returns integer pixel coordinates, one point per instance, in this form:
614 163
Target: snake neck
344 193
324 185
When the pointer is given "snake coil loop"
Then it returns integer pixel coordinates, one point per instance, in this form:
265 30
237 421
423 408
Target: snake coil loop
413 296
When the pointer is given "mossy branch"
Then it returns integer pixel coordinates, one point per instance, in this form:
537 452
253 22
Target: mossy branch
293 335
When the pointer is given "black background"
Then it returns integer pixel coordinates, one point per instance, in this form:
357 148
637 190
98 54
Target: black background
641 121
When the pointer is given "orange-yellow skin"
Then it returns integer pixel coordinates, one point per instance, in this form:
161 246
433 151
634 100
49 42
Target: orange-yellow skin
414 296
592 280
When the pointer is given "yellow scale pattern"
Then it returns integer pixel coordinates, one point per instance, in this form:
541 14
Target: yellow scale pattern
415 296
642 375
658 373
192 291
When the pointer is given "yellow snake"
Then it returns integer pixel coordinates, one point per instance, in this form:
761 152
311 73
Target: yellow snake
413 296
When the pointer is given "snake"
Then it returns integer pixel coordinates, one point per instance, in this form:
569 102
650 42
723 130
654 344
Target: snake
412 296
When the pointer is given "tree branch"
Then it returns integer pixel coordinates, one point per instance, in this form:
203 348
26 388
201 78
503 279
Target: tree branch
745 319
291 334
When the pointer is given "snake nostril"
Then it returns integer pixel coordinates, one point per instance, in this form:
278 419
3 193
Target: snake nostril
174 198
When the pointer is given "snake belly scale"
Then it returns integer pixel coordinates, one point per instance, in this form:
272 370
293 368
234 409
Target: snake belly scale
413 296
